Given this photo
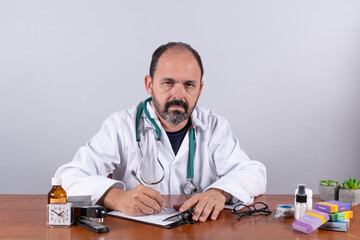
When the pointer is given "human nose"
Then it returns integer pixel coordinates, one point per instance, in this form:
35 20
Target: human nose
178 91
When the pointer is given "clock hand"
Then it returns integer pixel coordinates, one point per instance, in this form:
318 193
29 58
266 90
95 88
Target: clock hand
55 212
60 215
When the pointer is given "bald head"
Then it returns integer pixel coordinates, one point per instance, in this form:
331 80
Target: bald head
177 46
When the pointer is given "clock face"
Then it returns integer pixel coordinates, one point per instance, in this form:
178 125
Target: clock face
59 214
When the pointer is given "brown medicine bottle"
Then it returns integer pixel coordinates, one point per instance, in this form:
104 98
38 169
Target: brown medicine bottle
57 194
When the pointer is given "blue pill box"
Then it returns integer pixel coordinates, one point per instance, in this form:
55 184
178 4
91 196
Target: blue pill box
339 226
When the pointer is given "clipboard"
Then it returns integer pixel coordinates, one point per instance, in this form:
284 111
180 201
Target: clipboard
168 218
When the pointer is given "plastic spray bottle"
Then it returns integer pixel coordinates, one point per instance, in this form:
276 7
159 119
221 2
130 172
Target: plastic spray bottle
301 207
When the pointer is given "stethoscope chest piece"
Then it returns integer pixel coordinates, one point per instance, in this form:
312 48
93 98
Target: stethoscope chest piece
190 187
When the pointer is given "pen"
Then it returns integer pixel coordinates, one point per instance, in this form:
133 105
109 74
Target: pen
139 181
133 173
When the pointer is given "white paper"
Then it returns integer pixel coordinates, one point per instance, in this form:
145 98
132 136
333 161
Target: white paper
156 218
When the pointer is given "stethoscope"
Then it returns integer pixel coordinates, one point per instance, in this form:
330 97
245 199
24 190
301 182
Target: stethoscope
189 187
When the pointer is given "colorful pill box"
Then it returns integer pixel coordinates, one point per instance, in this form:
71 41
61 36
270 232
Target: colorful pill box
340 226
342 206
340 216
332 206
311 221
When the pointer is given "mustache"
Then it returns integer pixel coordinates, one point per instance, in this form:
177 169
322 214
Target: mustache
176 103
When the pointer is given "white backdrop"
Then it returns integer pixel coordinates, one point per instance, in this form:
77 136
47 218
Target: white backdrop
284 73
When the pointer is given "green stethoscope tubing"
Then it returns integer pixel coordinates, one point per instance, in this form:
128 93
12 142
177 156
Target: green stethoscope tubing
192 141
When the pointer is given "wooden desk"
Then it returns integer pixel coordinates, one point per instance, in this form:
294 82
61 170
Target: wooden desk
24 217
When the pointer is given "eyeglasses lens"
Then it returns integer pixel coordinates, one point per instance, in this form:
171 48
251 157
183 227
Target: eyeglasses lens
261 208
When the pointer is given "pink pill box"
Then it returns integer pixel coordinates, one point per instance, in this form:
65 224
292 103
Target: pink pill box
311 221
332 206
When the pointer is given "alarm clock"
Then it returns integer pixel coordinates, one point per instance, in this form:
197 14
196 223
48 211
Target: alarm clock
61 215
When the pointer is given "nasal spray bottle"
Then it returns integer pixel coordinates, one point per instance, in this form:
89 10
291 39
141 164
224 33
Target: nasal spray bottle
301 202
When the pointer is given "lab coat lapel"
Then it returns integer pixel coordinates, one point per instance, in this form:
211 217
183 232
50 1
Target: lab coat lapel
184 147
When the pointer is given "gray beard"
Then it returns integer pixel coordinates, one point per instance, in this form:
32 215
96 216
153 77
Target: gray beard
176 117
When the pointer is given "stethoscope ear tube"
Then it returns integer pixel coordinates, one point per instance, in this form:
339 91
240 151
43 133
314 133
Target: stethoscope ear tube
189 187
190 173
137 123
143 109
162 167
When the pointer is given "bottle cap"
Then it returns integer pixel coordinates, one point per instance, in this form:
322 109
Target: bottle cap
308 192
56 181
301 195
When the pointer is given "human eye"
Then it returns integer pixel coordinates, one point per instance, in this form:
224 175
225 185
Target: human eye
167 83
189 85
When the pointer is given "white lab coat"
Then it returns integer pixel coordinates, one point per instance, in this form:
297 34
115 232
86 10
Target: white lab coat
218 162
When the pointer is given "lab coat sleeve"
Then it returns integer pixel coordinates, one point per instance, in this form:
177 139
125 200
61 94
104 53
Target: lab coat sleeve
237 174
87 173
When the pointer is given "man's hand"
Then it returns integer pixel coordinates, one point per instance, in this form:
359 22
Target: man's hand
138 201
211 201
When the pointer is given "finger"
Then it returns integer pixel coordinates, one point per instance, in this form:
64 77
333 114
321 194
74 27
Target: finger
145 210
215 212
153 194
206 211
140 202
189 203
151 203
136 209
149 197
199 208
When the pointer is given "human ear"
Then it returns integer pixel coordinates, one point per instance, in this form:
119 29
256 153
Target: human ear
148 84
201 86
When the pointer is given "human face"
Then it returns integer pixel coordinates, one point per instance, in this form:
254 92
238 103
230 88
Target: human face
175 87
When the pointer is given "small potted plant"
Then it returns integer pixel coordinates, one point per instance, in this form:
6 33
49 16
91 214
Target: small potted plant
350 191
329 190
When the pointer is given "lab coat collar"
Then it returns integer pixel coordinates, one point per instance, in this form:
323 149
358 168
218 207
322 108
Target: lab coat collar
197 123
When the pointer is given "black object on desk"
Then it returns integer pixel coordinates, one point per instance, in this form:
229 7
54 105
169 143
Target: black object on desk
87 216
91 225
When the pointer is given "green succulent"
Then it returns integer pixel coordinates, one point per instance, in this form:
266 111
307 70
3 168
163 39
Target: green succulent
351 183
328 183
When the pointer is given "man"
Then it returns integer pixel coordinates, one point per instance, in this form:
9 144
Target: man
222 171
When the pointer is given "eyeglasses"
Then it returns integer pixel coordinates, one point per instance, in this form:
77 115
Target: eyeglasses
258 207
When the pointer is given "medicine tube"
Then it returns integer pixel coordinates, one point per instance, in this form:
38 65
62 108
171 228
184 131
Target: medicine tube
57 194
